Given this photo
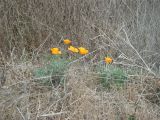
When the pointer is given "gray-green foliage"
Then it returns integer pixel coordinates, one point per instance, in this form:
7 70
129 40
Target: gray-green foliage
110 75
131 117
55 69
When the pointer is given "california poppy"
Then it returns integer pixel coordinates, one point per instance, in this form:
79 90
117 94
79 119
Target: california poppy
83 50
55 51
108 60
67 41
73 49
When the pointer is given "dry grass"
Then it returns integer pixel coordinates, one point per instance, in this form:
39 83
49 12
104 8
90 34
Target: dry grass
126 30
80 97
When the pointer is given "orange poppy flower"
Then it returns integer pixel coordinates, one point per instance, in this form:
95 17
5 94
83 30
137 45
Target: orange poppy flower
108 60
83 51
67 41
73 49
55 51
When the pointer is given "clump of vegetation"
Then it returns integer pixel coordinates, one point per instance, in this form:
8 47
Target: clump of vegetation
53 72
131 117
111 75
